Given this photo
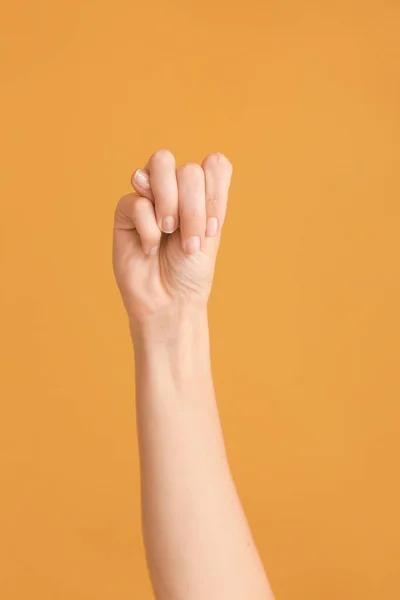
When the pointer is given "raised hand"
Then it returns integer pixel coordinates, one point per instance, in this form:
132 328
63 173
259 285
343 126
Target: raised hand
167 233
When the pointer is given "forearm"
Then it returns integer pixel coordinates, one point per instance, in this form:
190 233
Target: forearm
197 539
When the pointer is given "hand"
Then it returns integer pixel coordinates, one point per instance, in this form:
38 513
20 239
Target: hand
166 235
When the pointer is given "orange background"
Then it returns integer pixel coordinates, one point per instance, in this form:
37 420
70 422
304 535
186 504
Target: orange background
304 99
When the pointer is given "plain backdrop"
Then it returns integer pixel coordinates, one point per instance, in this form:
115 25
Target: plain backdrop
303 97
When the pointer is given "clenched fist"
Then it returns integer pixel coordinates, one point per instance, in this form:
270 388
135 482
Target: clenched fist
167 232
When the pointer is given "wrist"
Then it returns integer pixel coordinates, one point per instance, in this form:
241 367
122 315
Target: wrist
169 326
173 348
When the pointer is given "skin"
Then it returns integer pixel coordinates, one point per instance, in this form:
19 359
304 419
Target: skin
166 238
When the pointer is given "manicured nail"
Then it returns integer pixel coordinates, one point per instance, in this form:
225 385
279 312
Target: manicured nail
142 179
212 227
153 251
168 224
192 245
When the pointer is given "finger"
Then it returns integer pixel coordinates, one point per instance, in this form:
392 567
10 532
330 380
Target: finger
192 208
145 222
140 181
218 172
137 212
123 217
162 171
125 239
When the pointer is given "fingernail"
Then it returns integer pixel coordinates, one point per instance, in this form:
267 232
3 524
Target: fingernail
212 227
153 251
142 179
168 224
192 245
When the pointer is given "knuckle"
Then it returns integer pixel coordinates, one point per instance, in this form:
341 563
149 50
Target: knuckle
213 199
122 200
217 159
191 167
163 155
120 204
193 215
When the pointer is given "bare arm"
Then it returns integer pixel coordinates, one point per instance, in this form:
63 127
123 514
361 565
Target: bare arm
197 538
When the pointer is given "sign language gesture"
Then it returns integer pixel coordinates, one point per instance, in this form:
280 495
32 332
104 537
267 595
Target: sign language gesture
167 233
